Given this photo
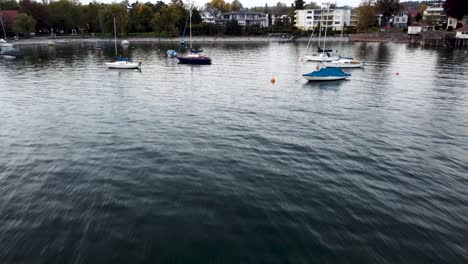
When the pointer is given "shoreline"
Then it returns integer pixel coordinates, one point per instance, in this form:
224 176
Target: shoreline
200 39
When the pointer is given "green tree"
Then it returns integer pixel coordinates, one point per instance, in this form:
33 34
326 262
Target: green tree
111 11
24 24
90 16
221 5
312 5
299 4
164 22
233 28
39 12
456 8
65 14
366 17
388 8
9 5
235 5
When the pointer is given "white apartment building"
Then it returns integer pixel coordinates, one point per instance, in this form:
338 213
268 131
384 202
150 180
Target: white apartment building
435 15
334 19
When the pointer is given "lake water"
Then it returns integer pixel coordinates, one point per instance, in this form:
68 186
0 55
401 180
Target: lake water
215 164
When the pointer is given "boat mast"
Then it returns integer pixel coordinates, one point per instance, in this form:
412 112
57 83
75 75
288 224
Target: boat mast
191 26
341 38
3 26
326 25
115 39
320 27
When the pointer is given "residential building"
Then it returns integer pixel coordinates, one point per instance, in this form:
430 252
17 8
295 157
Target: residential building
353 20
435 15
244 18
334 19
462 33
401 20
209 15
452 22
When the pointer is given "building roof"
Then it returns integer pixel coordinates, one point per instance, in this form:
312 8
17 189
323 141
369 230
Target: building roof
243 12
463 29
9 16
213 11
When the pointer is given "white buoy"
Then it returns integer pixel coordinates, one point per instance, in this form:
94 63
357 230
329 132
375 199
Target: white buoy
125 42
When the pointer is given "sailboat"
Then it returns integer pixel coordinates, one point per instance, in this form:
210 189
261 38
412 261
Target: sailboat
344 62
121 62
194 56
7 51
3 42
324 54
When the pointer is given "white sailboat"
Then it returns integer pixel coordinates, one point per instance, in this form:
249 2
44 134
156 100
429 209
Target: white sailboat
344 62
324 56
3 42
121 63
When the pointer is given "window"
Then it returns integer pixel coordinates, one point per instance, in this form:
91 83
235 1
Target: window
309 17
309 12
337 22
397 19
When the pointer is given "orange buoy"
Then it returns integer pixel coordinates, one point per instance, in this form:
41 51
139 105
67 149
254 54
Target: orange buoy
273 80
397 74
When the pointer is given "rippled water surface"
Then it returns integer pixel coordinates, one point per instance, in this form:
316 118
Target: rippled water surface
214 164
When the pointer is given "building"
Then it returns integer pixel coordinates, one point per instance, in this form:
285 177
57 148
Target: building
209 15
334 19
462 33
452 22
8 17
244 18
401 20
435 15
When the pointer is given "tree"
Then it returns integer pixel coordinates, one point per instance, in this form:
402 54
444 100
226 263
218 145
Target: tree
456 8
221 5
111 11
24 24
366 17
388 8
65 14
233 28
9 5
235 5
299 4
418 17
39 12
312 5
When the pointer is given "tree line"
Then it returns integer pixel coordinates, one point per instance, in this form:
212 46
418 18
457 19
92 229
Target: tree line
159 18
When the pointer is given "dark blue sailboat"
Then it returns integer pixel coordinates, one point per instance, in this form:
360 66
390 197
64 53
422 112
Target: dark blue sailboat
194 56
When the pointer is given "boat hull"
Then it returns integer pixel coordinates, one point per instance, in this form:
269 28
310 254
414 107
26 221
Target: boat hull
326 74
343 65
194 60
123 65
327 78
321 58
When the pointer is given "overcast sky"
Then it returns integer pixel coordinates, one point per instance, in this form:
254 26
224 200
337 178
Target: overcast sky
246 3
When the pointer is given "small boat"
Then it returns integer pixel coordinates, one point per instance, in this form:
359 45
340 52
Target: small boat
321 57
4 44
11 53
197 58
121 62
171 53
345 63
326 74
